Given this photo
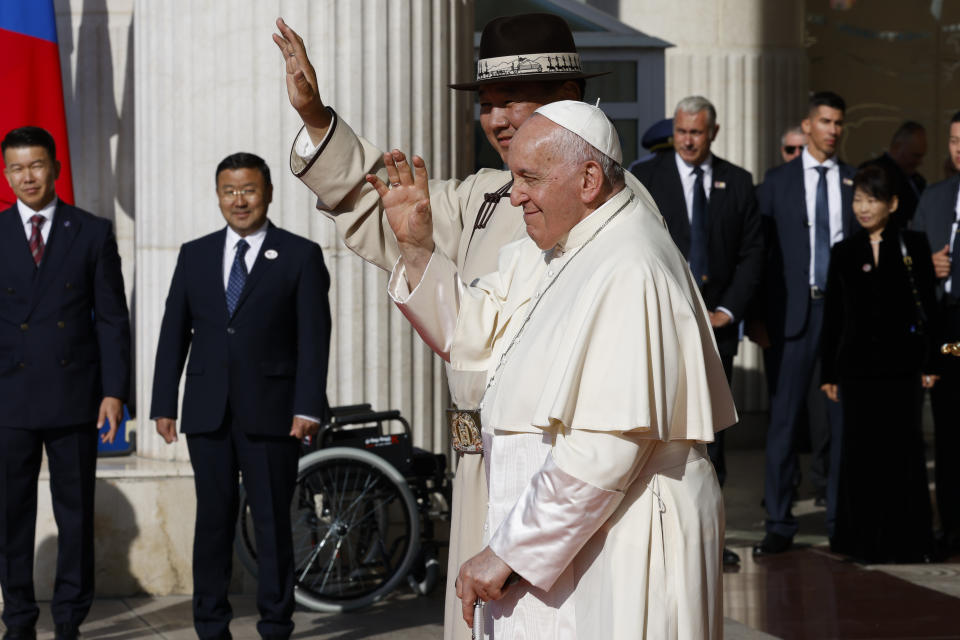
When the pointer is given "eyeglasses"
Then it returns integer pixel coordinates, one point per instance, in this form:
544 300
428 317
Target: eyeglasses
792 148
230 194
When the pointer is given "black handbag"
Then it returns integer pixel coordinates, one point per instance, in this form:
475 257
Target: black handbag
920 326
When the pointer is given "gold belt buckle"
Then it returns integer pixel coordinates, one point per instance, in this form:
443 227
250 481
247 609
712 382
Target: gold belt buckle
465 430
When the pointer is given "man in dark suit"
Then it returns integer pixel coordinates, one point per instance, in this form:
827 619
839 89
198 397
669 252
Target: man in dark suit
905 155
250 304
711 212
64 371
807 207
938 215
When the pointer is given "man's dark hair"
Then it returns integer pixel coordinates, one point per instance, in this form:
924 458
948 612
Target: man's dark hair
874 181
906 130
955 118
243 160
550 88
29 137
826 99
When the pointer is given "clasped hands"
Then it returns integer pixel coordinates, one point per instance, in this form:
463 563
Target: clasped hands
483 576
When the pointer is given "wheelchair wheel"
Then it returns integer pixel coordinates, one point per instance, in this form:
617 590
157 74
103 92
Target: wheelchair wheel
356 531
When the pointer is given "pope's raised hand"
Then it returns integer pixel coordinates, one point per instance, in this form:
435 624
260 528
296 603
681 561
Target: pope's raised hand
302 81
406 203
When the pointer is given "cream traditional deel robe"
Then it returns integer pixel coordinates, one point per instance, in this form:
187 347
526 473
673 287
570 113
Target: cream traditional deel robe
601 497
334 171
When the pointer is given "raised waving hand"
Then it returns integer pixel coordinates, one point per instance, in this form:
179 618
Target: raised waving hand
302 82
406 203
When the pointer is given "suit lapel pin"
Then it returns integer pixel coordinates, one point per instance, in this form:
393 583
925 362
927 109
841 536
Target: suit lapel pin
867 268
270 254
66 223
717 184
847 182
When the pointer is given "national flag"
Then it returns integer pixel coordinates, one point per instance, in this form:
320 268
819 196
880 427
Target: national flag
30 82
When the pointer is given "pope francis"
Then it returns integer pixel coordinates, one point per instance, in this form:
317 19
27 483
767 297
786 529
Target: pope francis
603 381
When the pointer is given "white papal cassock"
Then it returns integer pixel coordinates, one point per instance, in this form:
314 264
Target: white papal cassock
602 497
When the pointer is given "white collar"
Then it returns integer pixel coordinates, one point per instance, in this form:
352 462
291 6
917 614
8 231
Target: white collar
809 161
686 169
257 236
26 212
584 230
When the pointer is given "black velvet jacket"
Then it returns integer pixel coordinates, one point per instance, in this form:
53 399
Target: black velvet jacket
871 324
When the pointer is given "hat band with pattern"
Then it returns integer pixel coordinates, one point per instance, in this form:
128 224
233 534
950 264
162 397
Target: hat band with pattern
533 63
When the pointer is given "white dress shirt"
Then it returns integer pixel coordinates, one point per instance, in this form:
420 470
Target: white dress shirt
810 179
303 146
948 283
47 212
688 178
255 240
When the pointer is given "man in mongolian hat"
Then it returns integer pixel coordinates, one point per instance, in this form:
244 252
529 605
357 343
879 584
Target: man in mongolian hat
472 218
604 382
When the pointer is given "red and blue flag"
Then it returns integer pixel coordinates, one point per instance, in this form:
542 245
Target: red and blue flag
31 89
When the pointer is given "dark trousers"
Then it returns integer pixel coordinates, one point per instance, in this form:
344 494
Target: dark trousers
716 449
945 402
269 468
72 459
790 368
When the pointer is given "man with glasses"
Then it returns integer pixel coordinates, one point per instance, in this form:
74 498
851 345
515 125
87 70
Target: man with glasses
792 142
249 303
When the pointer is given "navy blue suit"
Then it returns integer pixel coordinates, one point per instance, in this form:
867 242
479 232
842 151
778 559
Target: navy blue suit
64 345
794 319
734 247
248 375
936 212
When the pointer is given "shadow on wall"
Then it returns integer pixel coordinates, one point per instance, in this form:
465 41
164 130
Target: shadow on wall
115 529
102 144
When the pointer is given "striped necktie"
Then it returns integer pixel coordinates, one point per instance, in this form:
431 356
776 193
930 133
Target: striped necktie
36 238
238 276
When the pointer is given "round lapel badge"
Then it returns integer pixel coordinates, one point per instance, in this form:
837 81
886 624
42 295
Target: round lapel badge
867 268
270 254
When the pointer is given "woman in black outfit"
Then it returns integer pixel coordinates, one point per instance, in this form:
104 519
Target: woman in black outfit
875 349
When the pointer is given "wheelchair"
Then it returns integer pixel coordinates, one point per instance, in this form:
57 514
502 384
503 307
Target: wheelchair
363 513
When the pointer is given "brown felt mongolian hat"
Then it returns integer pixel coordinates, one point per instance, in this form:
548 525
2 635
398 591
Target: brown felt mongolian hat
532 47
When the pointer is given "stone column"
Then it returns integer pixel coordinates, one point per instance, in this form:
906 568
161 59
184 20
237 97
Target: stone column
748 58
210 81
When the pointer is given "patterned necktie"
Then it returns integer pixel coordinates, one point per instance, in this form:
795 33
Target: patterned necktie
36 238
821 238
698 231
238 276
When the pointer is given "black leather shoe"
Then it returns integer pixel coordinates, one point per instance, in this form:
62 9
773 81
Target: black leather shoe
66 631
773 543
20 633
730 558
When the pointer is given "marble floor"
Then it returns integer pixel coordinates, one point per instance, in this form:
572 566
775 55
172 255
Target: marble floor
804 593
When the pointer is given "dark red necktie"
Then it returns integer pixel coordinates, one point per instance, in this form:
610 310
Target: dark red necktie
36 238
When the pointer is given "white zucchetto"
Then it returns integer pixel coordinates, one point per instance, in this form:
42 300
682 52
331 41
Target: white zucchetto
588 122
